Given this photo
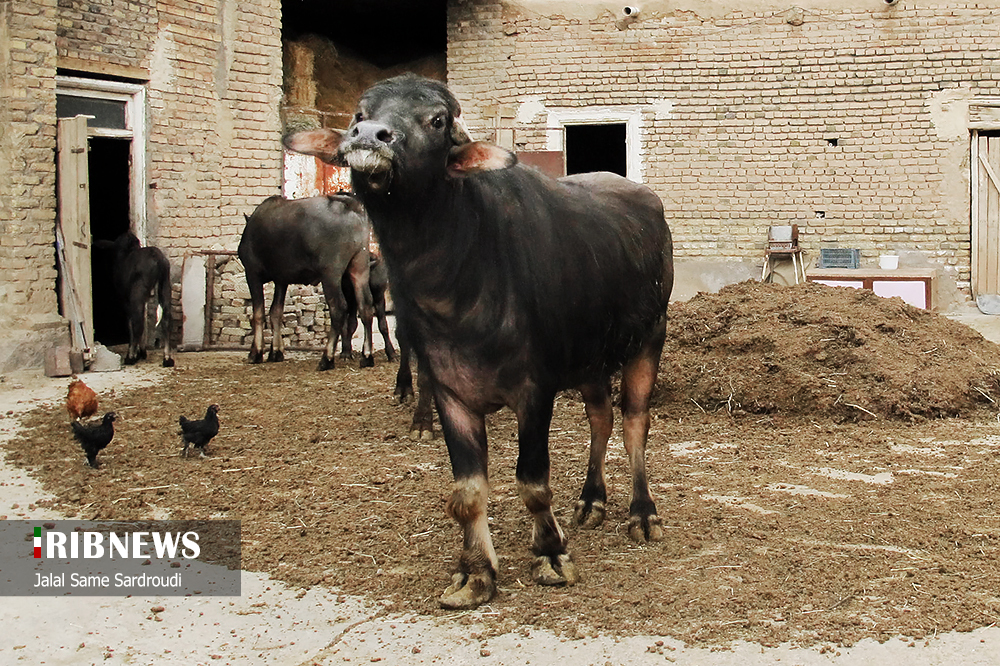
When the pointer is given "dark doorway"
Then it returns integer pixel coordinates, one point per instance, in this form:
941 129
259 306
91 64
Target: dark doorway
596 148
109 168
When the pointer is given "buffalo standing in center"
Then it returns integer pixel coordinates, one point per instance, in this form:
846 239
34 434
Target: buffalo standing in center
511 286
307 241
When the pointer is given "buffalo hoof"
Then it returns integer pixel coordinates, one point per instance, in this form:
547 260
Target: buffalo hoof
390 354
421 431
275 356
347 355
142 354
131 360
325 364
468 591
404 394
255 357
589 515
645 528
554 570
168 363
367 361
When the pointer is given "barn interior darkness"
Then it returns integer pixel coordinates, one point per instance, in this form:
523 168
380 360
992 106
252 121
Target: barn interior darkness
596 148
386 33
108 170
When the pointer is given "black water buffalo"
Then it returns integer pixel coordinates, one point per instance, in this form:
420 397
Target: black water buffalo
307 241
378 284
138 273
511 286
422 426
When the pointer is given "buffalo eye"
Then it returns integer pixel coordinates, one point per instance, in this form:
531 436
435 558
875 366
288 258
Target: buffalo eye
437 122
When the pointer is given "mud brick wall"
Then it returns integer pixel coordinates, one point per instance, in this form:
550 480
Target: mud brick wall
27 162
29 310
306 317
214 91
849 119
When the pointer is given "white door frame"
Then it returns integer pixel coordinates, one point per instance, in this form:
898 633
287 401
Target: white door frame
558 119
134 97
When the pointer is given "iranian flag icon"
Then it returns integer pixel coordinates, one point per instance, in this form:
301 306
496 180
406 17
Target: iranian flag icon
38 543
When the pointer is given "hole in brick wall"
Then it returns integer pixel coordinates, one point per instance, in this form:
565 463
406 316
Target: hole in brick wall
820 214
832 142
596 148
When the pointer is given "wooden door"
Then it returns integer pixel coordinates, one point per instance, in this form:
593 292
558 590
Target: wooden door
985 213
73 232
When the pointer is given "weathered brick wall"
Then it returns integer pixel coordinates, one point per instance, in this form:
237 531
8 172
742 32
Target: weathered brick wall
214 72
28 303
848 120
104 35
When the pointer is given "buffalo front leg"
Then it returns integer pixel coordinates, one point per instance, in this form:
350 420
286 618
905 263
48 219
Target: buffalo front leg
552 564
277 353
638 378
465 433
591 507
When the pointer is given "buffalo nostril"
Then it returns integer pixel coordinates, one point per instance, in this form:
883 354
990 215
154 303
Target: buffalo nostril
385 136
354 132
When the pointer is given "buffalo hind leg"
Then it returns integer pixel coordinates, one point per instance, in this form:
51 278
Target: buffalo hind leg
638 378
136 315
383 327
359 271
257 319
336 304
475 582
277 353
591 507
552 564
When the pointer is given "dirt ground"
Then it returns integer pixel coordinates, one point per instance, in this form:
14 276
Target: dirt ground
825 461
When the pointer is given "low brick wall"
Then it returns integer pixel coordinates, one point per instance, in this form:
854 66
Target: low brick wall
306 318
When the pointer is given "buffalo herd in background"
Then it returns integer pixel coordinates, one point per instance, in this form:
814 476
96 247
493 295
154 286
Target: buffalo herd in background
508 286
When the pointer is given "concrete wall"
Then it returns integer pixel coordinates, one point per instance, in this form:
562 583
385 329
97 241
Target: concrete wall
212 71
849 118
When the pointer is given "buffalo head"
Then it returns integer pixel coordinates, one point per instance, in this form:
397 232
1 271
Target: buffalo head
406 133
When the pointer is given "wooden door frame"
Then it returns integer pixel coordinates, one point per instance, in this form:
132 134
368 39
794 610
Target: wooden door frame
979 166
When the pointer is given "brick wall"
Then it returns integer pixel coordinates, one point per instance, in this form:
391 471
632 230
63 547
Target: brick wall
28 304
846 120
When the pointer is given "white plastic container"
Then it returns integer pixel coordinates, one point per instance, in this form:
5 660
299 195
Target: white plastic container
888 262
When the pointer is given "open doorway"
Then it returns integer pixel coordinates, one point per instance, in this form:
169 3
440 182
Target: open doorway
595 147
109 167
116 184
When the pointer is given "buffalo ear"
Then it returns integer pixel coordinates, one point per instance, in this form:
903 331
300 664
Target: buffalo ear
477 157
321 143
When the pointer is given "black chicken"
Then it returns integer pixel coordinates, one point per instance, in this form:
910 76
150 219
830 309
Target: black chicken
200 432
94 437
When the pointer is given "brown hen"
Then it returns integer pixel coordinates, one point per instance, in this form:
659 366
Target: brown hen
81 400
